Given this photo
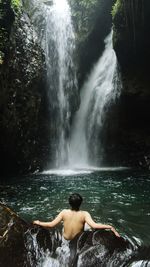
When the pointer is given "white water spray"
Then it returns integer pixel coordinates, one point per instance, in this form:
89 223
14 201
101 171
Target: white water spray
52 20
100 88
49 257
61 76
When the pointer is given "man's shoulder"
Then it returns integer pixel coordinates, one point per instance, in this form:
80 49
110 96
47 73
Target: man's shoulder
86 214
65 211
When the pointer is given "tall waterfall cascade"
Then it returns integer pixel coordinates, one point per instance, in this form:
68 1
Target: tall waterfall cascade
101 88
52 20
61 78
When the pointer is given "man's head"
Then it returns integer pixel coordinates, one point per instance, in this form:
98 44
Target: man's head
75 201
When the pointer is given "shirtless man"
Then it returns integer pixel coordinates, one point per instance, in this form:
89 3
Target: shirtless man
74 220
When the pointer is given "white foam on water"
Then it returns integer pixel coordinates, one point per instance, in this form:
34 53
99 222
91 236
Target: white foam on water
66 172
140 263
78 171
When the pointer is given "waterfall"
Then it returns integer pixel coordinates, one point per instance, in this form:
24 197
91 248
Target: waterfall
81 145
101 87
52 21
61 78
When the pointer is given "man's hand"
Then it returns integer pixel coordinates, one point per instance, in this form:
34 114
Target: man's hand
37 222
115 232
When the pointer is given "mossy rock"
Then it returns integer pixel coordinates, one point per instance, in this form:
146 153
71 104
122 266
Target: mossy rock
16 5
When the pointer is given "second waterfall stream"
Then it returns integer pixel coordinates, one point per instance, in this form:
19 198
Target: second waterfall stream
100 89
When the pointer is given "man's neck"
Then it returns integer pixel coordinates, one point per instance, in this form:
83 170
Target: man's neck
75 210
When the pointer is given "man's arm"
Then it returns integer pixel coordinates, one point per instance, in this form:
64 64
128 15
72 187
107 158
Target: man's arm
53 223
92 224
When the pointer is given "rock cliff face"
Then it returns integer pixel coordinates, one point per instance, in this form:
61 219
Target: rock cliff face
92 22
131 43
22 94
131 31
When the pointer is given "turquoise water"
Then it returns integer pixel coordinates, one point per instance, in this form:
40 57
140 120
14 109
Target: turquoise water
114 196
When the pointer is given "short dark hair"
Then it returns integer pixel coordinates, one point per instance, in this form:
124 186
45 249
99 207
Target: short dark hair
75 201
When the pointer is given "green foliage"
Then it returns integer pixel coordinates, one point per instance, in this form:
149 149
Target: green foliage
9 11
119 21
16 4
116 7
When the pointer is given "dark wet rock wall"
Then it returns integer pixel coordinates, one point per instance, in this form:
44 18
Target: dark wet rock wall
22 94
131 32
128 126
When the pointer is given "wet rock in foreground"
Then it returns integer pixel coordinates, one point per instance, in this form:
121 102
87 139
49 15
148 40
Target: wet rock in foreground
25 245
12 248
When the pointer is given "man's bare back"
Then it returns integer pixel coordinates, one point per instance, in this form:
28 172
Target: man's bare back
74 221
